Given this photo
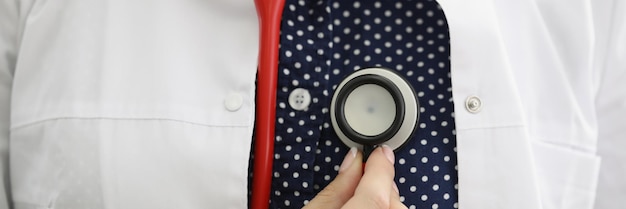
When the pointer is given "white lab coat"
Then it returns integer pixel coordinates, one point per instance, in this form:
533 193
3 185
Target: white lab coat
150 103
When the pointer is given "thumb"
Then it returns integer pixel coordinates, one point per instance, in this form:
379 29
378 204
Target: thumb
341 189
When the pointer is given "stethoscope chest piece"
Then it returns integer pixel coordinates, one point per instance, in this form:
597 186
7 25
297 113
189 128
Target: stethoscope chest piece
374 106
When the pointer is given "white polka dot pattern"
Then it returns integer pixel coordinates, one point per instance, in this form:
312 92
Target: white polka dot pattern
322 42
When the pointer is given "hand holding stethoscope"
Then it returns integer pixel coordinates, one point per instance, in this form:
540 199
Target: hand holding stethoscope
373 189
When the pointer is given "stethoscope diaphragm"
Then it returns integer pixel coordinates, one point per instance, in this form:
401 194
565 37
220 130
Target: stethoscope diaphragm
374 106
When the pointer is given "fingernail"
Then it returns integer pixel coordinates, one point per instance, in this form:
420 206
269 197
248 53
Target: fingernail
347 161
388 153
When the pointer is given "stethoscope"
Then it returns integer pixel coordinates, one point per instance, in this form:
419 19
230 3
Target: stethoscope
371 106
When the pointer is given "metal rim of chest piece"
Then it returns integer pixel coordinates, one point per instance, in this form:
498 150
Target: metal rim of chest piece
374 93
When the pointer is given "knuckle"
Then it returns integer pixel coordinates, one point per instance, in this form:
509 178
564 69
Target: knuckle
329 191
332 193
380 201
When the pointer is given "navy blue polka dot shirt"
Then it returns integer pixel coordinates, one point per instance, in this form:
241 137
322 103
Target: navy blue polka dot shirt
321 42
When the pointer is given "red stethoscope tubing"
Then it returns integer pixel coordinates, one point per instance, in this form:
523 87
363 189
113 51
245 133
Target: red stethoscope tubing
269 13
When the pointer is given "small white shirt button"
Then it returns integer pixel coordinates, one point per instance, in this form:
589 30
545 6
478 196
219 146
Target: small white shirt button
299 99
233 102
473 104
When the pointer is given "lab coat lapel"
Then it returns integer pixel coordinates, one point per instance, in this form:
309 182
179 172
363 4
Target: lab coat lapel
495 159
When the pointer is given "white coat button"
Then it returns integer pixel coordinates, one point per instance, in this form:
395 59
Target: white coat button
473 104
233 102
299 99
